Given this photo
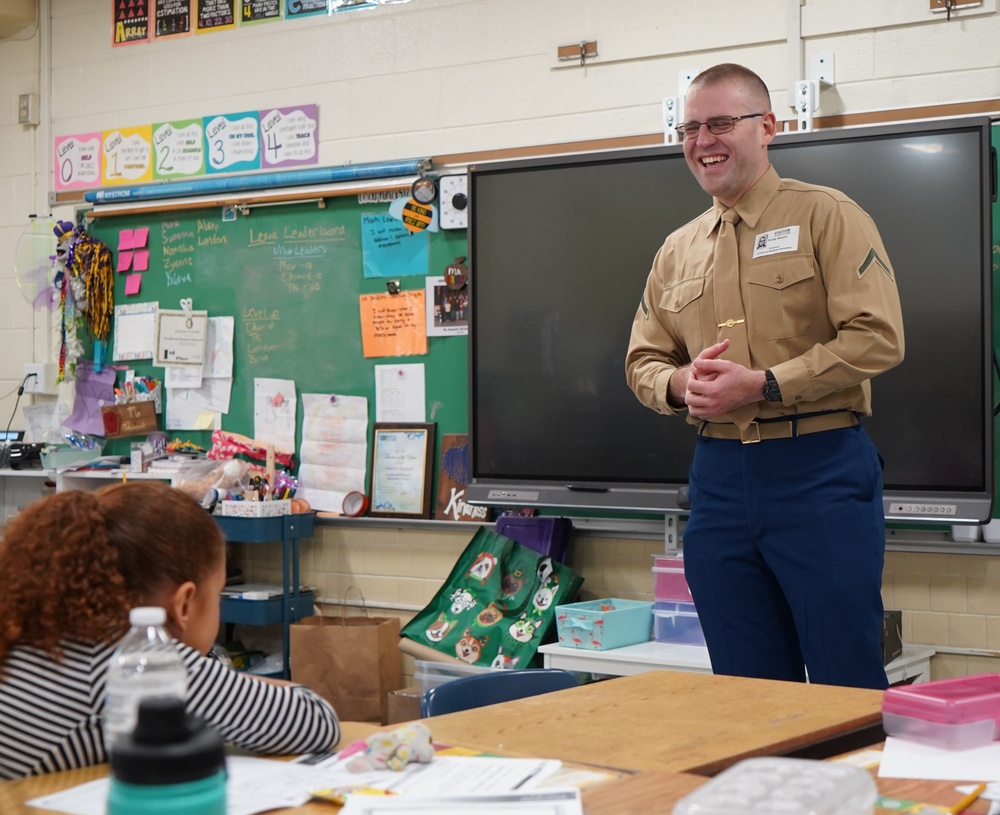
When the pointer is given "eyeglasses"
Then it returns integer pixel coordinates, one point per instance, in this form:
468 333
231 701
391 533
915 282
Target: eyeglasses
716 125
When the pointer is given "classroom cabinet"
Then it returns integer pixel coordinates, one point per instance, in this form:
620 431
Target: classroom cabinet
292 603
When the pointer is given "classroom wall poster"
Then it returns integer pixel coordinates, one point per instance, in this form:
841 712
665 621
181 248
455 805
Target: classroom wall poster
78 161
290 136
260 11
172 19
179 149
131 22
232 143
453 478
215 15
127 155
334 452
294 9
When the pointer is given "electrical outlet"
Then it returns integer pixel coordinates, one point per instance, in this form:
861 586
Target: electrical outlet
40 377
27 109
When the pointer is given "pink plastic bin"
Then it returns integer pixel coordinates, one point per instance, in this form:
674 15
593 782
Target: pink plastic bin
952 713
669 583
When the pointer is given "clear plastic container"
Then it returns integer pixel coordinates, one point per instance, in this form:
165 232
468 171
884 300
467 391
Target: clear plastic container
952 713
145 664
677 622
774 786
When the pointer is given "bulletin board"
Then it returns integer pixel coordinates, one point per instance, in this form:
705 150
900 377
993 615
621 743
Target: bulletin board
293 278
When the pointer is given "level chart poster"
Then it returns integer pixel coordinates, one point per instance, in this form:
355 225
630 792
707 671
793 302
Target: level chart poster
131 21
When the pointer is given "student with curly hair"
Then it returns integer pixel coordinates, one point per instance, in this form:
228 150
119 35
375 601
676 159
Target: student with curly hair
74 564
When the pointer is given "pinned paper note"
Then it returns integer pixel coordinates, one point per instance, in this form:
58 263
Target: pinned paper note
133 283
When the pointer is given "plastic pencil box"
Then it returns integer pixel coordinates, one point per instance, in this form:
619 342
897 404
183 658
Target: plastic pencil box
951 713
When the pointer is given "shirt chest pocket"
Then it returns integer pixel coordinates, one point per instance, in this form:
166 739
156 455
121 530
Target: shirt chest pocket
682 301
785 296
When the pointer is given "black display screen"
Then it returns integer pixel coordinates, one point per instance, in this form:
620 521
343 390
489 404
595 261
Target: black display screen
560 250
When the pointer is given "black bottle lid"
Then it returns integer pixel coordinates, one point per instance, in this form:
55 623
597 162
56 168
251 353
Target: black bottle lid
167 746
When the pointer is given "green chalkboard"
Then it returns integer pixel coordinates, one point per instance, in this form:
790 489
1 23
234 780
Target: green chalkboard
292 277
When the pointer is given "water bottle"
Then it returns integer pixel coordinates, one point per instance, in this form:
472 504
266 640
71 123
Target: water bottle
170 764
145 664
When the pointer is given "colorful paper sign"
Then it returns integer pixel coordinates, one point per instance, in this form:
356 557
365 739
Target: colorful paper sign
232 143
78 161
179 149
127 155
289 136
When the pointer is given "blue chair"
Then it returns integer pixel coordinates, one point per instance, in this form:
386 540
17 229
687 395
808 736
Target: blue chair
491 688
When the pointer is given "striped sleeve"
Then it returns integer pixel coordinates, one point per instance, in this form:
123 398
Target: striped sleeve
258 716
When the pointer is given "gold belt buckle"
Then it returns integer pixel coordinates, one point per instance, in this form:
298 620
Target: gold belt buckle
756 430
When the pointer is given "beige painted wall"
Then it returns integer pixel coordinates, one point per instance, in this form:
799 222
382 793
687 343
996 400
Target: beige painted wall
439 77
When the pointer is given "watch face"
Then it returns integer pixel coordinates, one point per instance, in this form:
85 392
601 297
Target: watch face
424 190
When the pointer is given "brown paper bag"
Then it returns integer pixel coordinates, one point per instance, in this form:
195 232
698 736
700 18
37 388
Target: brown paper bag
352 662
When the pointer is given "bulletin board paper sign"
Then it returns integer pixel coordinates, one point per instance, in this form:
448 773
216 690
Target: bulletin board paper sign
180 337
140 260
392 325
124 260
133 283
389 249
134 331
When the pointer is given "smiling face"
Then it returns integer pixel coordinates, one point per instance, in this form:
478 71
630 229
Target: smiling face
728 165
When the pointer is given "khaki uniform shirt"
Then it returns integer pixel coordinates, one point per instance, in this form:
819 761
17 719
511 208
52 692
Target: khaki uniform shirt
823 315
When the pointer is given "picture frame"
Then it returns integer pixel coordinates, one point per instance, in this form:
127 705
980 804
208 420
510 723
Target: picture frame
402 460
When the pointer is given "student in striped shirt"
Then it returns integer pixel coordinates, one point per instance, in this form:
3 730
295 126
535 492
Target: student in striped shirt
73 565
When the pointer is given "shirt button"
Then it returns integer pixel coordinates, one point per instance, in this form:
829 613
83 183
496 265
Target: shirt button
779 279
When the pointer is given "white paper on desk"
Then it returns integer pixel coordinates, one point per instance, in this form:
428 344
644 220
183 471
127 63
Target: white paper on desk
908 759
471 775
399 393
553 802
253 785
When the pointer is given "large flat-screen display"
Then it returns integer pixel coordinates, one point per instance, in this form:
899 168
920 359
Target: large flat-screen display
560 249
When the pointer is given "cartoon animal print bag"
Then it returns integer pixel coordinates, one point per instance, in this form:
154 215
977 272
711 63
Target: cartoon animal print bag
497 605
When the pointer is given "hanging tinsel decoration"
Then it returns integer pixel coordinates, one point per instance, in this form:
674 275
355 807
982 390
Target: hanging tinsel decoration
93 266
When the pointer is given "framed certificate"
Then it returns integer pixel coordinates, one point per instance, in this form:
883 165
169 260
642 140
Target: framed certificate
180 337
401 459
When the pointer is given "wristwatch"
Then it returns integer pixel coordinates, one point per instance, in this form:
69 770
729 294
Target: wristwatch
771 390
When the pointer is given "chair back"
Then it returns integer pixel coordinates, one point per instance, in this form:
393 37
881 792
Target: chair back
492 688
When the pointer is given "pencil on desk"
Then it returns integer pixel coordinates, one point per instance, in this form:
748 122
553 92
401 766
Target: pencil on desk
968 800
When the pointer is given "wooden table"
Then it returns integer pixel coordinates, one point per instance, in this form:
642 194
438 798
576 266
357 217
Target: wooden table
670 720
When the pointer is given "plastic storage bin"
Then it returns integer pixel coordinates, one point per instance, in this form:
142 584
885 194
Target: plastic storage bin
677 622
792 785
669 583
431 674
951 713
598 625
547 536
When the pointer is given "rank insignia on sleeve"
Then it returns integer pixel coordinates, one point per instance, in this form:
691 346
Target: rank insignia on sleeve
873 259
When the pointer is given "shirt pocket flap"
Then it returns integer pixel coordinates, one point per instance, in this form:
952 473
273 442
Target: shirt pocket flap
681 294
780 273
